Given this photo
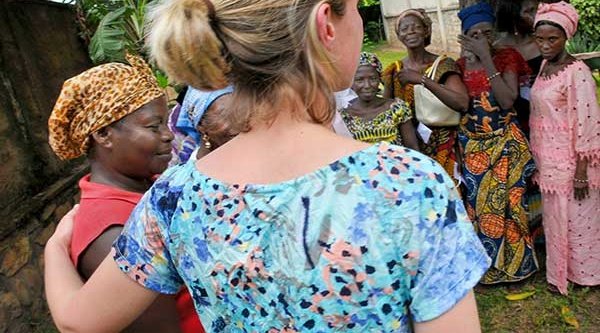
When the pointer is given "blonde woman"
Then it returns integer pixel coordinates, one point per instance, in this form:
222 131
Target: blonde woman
308 230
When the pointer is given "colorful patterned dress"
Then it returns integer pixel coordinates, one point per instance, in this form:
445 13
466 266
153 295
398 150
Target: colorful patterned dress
496 163
358 245
442 142
385 127
565 123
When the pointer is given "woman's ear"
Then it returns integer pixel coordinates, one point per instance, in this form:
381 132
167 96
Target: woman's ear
103 137
325 27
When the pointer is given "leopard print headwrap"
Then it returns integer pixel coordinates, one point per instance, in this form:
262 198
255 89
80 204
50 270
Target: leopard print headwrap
97 98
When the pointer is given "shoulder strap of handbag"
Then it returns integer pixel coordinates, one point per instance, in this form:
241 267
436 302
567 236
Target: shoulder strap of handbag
433 69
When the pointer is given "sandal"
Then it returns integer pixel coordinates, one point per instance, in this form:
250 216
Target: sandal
553 289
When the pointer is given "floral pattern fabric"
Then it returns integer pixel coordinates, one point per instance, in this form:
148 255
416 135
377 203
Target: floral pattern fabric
364 243
384 127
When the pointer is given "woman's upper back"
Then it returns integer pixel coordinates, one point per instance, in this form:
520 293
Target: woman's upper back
352 245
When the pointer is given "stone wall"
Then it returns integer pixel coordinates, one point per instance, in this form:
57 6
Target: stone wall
22 301
39 49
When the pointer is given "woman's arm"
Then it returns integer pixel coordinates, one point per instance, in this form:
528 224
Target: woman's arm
581 189
461 318
161 316
108 302
504 85
409 135
387 78
452 93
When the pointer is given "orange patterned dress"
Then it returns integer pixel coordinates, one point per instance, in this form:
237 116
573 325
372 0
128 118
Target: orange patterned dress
496 164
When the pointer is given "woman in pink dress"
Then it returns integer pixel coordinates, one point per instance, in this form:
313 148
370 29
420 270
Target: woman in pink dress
565 140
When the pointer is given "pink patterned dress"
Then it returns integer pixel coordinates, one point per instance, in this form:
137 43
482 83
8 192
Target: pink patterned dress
565 124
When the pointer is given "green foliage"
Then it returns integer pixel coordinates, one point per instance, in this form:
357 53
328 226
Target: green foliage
368 3
581 43
161 78
589 17
118 32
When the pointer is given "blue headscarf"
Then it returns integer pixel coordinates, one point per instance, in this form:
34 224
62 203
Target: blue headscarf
194 105
477 13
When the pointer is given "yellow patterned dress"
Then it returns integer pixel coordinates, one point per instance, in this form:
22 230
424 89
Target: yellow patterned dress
442 142
384 127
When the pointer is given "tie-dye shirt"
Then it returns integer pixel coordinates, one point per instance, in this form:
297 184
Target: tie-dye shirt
370 242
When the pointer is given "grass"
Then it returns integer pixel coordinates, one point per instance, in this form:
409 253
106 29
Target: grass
384 52
540 312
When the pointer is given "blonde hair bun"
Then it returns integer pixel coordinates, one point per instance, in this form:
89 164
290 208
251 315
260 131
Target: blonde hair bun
183 43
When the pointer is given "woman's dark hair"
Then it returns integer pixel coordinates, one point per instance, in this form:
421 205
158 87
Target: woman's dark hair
550 23
508 14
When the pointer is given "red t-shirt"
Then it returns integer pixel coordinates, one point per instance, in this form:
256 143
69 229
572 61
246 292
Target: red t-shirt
103 206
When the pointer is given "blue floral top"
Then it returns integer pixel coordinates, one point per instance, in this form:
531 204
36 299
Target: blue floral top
363 243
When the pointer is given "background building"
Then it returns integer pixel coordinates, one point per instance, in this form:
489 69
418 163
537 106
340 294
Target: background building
443 13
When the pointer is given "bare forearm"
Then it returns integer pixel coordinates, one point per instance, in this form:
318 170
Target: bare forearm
61 282
409 135
503 91
457 99
75 306
388 92
581 168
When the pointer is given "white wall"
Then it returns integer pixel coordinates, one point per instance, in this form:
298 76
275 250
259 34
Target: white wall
395 7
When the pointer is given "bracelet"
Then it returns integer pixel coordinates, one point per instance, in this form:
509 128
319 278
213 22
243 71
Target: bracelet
581 181
491 77
423 78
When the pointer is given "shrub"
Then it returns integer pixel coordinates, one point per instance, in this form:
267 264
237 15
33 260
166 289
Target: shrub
589 17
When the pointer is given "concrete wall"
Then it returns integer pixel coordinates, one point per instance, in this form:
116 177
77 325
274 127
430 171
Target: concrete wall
444 36
39 49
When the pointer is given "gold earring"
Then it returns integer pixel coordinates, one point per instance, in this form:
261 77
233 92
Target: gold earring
206 141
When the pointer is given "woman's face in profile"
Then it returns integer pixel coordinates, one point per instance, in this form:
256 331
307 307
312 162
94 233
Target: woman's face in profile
527 16
215 123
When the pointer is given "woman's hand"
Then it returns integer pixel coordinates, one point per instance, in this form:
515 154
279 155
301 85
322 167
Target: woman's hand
64 229
477 45
581 189
409 76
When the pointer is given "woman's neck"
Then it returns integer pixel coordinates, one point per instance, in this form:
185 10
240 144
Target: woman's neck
417 56
103 174
559 59
367 105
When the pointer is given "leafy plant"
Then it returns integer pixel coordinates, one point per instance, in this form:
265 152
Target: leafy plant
89 13
368 3
118 32
580 43
589 16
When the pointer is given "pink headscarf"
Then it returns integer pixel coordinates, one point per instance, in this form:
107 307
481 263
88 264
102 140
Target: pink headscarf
561 13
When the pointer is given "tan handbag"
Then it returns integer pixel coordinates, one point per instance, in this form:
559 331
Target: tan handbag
429 109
